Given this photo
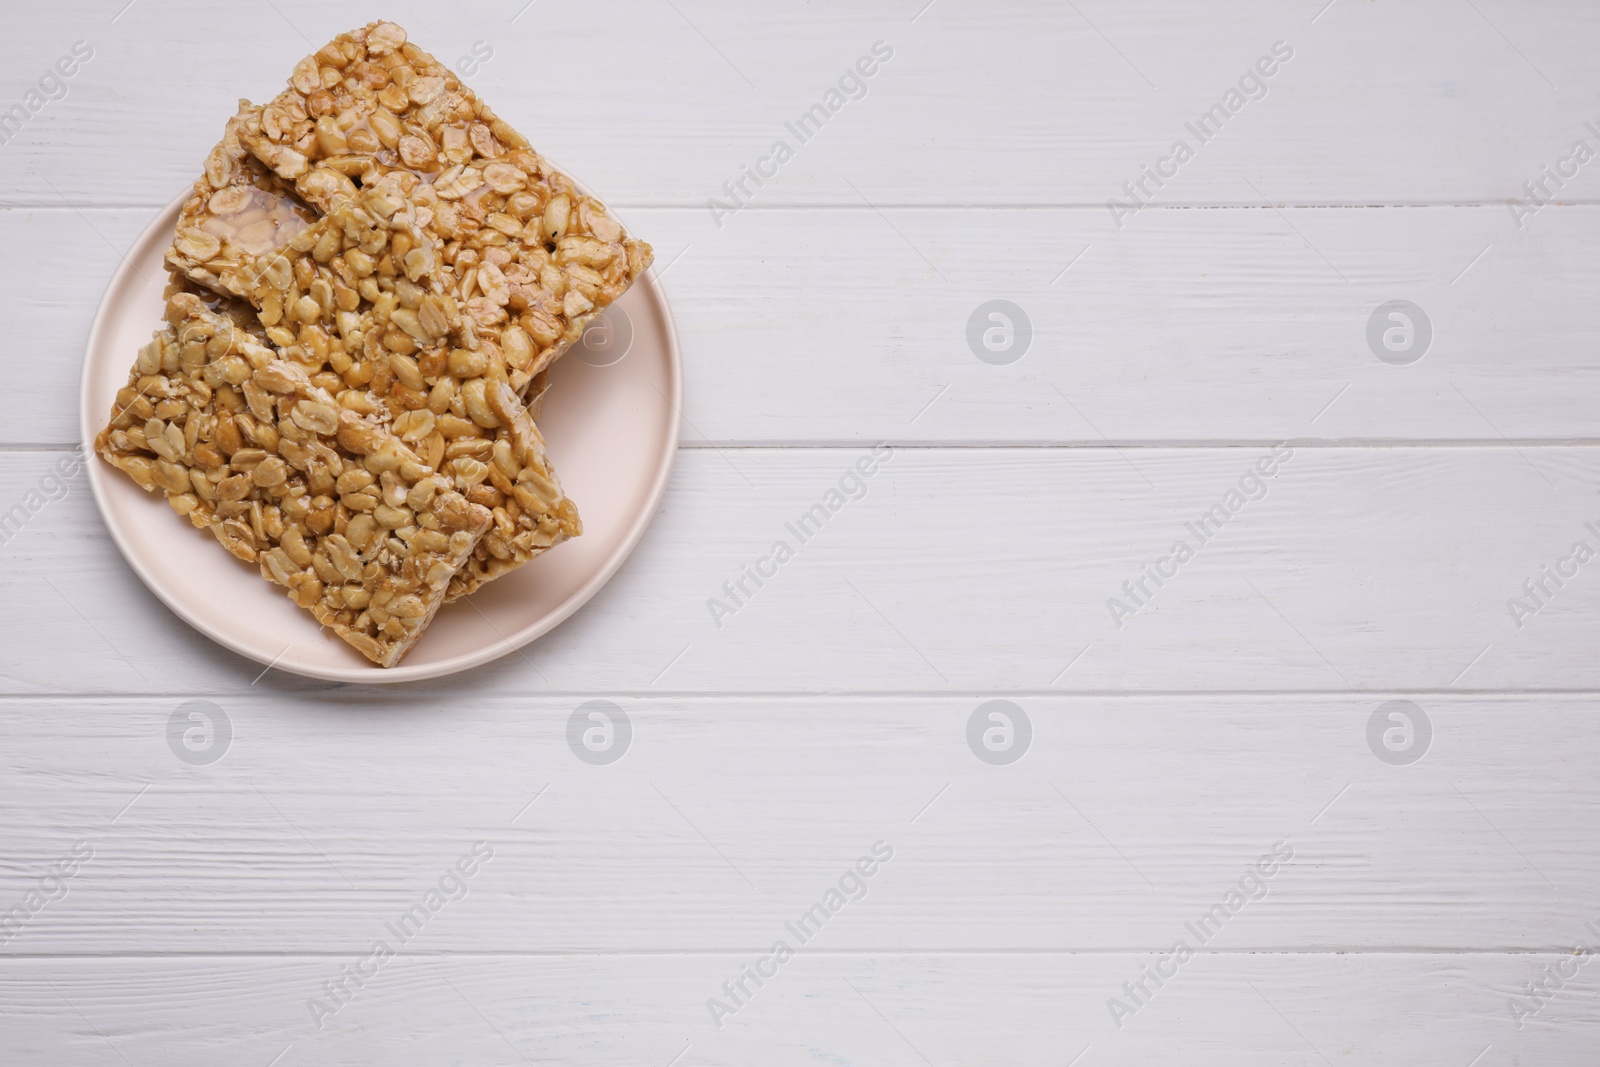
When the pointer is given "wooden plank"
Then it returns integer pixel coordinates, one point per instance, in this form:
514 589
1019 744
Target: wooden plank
1234 325
977 105
49 311
968 570
889 1009
1126 823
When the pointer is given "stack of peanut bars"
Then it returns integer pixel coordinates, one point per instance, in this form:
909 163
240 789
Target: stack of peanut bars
367 288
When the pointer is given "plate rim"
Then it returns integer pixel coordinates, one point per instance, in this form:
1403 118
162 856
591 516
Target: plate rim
89 427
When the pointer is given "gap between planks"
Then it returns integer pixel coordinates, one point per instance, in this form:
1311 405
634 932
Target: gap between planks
924 445
847 953
761 208
909 205
354 694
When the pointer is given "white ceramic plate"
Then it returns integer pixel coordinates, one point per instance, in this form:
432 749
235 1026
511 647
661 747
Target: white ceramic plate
610 421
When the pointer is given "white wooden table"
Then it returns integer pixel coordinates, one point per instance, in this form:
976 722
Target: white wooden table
1176 733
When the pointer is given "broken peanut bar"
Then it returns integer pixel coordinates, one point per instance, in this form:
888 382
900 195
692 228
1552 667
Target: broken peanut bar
328 503
521 245
531 514
238 213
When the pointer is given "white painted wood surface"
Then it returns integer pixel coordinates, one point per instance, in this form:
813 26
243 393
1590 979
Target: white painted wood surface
880 1008
1223 322
1112 811
1229 713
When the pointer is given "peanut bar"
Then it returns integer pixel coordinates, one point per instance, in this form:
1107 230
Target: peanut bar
327 502
523 247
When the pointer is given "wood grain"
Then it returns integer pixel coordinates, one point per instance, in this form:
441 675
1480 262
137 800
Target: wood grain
1431 102
1257 1010
1125 819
